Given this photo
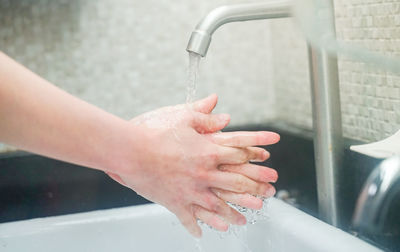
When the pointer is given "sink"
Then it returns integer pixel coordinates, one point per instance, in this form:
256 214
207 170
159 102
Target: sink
151 227
32 187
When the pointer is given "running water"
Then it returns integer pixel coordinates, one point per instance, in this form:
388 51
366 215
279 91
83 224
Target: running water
252 216
193 74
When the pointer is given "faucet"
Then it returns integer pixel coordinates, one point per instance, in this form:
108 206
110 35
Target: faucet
327 124
379 191
201 37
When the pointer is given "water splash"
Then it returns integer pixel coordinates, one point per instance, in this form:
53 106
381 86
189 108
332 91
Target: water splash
198 246
240 232
193 74
252 215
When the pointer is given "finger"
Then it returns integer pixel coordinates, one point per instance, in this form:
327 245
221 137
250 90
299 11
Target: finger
241 199
255 172
210 218
116 177
206 105
210 123
238 183
231 155
214 204
244 138
188 220
257 154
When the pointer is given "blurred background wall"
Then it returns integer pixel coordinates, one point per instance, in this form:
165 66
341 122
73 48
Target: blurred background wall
128 57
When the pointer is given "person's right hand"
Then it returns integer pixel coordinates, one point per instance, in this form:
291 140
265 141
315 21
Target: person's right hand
178 165
255 172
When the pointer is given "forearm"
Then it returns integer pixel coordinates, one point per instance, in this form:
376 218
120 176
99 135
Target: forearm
39 117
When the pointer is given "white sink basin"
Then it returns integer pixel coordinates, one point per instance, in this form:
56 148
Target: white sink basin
153 228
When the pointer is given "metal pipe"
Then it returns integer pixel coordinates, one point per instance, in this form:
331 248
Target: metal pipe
327 123
325 94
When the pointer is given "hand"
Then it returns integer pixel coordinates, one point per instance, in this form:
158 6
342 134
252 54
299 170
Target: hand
177 164
255 172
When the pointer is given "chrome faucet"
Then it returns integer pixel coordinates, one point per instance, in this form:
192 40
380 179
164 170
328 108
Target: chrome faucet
377 195
201 37
327 122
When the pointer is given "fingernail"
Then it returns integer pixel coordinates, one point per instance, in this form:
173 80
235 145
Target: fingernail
277 137
211 95
242 221
266 155
224 117
196 233
276 176
270 192
272 137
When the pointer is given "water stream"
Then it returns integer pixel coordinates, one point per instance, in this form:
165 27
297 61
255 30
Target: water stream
252 216
193 75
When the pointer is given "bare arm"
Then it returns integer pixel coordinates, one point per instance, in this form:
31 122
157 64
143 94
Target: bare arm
39 117
169 156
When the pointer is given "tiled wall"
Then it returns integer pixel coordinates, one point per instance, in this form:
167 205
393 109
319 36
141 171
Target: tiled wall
128 56
370 97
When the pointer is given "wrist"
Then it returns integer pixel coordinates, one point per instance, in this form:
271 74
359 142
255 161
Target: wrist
124 148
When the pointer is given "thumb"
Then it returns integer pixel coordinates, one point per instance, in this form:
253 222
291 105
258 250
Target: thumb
206 105
210 123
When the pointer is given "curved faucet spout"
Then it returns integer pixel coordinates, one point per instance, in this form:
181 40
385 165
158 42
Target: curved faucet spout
201 37
379 191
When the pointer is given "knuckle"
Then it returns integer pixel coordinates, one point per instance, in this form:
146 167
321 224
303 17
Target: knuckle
209 123
203 175
262 188
218 207
243 156
210 202
213 157
261 153
223 167
240 184
255 155
248 155
203 121
195 210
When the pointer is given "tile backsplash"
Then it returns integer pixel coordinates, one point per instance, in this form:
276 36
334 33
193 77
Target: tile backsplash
370 97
